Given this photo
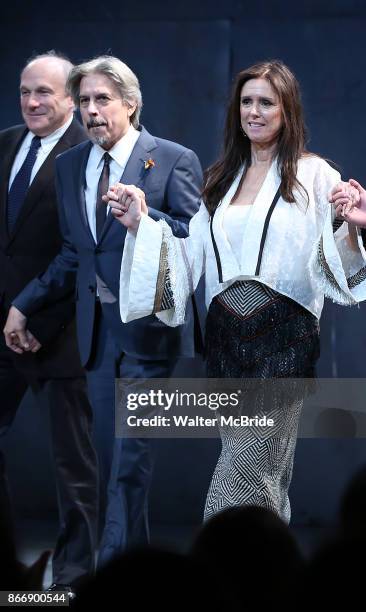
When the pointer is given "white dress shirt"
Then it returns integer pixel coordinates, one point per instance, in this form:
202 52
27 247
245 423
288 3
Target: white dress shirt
120 154
47 144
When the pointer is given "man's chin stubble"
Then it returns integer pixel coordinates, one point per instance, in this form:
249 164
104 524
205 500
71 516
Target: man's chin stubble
100 140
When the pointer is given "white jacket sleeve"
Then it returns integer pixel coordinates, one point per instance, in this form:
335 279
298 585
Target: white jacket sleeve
159 271
339 262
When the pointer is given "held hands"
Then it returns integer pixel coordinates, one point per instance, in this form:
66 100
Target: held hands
127 203
17 337
349 200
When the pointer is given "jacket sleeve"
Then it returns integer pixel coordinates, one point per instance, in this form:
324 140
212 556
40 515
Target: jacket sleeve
58 281
339 260
51 321
182 194
160 271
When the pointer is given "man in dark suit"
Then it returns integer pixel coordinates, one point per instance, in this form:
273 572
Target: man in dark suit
30 238
110 102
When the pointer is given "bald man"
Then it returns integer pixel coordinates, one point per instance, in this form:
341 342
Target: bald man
29 239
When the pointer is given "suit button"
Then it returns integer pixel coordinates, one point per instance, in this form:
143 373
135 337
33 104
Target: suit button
8 256
91 289
97 250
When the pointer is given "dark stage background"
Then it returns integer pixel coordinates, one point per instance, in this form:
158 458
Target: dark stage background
185 57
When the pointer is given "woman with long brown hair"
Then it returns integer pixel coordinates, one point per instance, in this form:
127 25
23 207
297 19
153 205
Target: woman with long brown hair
264 239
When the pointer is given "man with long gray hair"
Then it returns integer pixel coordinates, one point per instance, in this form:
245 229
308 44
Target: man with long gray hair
120 149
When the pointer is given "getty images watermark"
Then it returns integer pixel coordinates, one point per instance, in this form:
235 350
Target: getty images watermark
185 402
190 408
199 408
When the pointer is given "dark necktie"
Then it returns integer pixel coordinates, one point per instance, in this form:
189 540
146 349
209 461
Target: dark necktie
103 185
20 184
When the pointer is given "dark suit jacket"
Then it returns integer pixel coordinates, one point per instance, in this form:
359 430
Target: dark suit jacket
27 252
172 189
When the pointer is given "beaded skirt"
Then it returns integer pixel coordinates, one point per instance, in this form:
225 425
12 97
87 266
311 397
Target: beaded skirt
255 332
252 332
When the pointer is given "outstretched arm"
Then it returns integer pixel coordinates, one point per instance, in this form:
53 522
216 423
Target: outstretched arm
56 283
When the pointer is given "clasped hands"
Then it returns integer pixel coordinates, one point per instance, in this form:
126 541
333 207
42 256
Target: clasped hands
349 201
127 204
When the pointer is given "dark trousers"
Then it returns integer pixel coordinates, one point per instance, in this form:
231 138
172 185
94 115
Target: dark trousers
125 464
74 458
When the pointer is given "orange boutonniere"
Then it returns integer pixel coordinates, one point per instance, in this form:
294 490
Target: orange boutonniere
149 163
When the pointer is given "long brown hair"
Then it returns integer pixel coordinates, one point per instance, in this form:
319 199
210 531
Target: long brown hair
236 149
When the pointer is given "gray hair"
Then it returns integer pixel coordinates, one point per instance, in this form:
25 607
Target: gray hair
63 60
119 73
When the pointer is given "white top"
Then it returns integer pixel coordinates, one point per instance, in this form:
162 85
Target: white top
120 154
235 219
47 144
301 257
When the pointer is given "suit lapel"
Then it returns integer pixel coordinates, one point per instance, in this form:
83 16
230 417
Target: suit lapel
11 146
79 179
135 169
44 176
253 228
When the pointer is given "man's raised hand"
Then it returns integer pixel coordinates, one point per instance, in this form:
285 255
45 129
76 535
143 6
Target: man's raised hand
127 203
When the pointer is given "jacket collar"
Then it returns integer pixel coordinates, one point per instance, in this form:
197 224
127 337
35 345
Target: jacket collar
11 145
44 176
253 230
135 167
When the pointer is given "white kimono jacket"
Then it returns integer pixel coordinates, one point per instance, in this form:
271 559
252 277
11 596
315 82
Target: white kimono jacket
299 257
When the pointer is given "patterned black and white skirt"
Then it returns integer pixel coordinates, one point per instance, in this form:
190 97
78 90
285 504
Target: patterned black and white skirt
253 332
